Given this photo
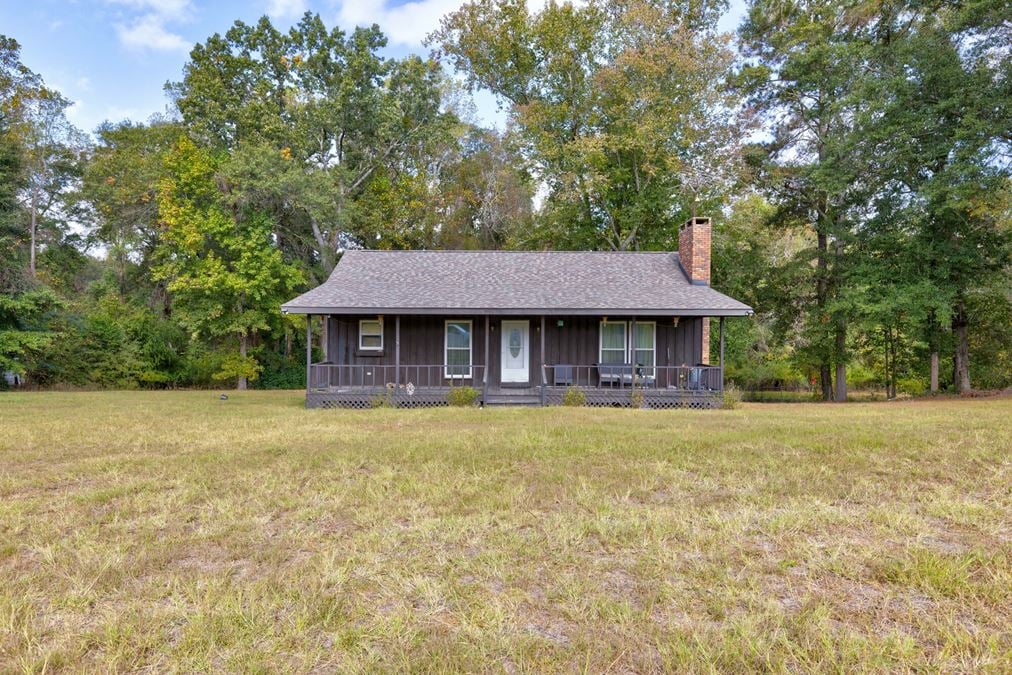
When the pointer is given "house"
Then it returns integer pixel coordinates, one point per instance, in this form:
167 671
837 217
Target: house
519 327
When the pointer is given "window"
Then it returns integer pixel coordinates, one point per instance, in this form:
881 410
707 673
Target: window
370 335
644 343
613 342
458 349
618 346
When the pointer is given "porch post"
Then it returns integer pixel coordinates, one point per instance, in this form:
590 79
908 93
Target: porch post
543 360
722 355
397 351
484 395
309 350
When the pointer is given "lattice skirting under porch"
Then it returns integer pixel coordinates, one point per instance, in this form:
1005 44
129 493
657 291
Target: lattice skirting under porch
656 399
368 398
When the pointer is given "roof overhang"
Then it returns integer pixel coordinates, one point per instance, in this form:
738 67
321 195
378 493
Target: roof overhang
470 311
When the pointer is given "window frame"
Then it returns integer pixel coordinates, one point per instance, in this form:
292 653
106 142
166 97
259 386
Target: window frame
647 370
600 341
446 350
361 334
629 348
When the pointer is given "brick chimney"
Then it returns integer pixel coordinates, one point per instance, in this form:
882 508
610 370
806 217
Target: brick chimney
694 254
694 250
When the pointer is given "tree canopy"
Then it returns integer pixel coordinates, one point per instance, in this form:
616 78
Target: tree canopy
855 159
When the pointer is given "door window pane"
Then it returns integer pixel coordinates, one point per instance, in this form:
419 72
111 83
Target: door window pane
516 342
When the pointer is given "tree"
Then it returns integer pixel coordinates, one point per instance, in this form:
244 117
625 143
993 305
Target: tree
940 144
482 197
53 150
218 257
619 109
310 119
25 330
48 148
120 183
804 64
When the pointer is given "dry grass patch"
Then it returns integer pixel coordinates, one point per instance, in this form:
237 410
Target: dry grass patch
176 531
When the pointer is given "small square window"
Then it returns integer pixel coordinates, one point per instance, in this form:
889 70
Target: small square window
370 335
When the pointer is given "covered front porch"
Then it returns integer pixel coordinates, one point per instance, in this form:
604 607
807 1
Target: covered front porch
418 360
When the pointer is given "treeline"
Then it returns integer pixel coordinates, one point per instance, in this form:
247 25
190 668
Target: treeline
854 156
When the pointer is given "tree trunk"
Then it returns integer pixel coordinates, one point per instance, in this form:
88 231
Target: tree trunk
893 338
33 227
841 366
826 379
933 340
962 360
841 337
241 383
821 293
886 357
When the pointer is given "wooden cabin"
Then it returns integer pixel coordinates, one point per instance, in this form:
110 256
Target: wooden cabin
519 327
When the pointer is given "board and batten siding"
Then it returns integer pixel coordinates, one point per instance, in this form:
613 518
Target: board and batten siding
576 342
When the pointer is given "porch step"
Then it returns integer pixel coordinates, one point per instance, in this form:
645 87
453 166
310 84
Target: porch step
513 399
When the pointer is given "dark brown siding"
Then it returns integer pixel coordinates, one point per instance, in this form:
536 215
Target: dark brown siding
422 340
576 342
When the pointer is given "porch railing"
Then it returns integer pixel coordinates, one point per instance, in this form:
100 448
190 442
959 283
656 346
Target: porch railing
629 376
365 376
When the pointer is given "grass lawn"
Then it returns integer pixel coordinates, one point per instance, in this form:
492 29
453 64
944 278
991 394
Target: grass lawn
177 531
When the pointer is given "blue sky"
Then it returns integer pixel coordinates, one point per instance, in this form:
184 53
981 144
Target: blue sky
112 57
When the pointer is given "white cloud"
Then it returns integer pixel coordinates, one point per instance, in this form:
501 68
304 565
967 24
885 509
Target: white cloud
167 9
406 24
286 9
149 32
147 27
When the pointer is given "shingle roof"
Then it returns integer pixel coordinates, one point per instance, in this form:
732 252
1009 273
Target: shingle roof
509 282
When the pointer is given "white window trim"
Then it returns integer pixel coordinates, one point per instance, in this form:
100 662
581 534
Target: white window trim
362 348
630 341
446 349
600 339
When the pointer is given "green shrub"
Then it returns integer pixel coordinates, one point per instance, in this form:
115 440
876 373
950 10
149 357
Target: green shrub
914 386
281 372
636 399
732 397
384 400
234 366
462 397
778 396
574 397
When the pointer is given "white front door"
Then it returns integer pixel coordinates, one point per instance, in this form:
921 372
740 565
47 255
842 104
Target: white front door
515 359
